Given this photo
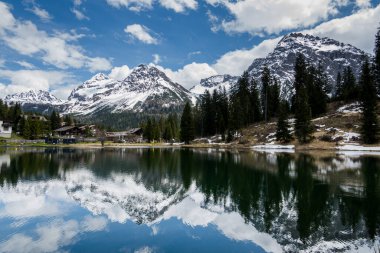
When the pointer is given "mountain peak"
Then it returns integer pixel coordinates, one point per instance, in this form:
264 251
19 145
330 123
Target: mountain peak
215 83
332 54
98 77
33 97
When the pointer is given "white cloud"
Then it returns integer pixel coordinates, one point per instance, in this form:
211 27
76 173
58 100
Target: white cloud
139 5
120 73
235 62
51 237
2 62
23 80
190 74
156 58
133 5
363 3
179 5
358 29
41 13
25 64
140 33
145 249
273 16
25 38
79 14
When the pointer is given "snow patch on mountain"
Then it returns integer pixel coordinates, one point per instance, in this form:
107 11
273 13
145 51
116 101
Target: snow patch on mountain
333 55
34 97
145 89
212 83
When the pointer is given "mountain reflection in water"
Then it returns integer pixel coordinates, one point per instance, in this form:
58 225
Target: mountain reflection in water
179 200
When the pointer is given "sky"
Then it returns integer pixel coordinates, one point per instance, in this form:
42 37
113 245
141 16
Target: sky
57 45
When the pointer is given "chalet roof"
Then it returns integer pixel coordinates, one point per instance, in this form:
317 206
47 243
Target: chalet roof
65 128
123 133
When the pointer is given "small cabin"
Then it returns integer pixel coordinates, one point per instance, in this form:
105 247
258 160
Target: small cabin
5 129
131 135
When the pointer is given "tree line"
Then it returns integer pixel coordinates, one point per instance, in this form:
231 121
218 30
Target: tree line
247 103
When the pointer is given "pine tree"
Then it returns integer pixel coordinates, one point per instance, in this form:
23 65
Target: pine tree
349 87
339 88
255 102
187 124
370 128
282 133
148 131
377 60
265 86
302 108
55 120
26 131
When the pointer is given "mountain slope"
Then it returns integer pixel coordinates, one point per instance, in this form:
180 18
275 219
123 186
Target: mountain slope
36 101
215 83
146 89
333 56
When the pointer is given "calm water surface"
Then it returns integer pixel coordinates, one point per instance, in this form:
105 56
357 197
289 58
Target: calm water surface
172 200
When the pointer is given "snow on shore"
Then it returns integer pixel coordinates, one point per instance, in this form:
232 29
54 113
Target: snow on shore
274 148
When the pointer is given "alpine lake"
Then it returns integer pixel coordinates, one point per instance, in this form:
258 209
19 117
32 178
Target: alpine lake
188 200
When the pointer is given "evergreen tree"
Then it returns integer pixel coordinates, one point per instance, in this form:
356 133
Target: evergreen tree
255 102
282 133
265 91
55 120
187 124
302 108
377 59
339 89
370 128
274 98
26 129
148 131
349 88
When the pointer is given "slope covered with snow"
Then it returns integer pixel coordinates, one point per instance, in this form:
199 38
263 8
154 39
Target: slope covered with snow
146 89
33 97
333 55
218 82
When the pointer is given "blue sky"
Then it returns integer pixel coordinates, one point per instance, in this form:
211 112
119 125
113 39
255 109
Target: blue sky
56 45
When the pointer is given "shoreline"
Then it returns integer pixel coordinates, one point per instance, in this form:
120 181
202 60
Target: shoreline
254 147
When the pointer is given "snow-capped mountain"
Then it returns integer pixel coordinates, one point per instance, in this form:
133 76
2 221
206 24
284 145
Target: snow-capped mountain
146 89
333 56
36 101
215 83
34 97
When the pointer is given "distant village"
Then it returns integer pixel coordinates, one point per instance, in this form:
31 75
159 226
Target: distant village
19 127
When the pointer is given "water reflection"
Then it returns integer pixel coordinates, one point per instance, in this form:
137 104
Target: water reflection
255 201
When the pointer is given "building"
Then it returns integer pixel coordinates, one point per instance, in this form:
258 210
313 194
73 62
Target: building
5 129
131 135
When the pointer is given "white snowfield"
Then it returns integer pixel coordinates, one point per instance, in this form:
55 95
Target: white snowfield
274 148
358 148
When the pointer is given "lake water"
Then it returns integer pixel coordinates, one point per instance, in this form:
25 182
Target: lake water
179 200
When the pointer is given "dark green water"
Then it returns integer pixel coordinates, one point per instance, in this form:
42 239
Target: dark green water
172 200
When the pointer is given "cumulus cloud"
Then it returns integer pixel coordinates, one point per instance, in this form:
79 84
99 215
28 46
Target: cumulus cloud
57 49
190 74
25 64
139 5
235 62
272 16
133 5
120 73
141 33
41 13
77 12
156 58
363 3
53 236
179 5
358 29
